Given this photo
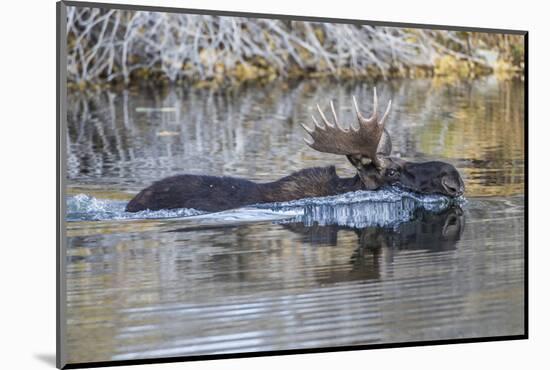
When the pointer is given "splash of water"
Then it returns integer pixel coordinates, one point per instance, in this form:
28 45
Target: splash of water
83 207
387 207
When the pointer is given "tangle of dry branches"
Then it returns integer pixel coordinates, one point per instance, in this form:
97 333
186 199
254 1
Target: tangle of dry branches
113 45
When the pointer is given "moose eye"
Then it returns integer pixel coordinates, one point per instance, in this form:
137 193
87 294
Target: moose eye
391 172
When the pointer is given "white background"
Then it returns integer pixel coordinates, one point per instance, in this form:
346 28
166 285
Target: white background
27 178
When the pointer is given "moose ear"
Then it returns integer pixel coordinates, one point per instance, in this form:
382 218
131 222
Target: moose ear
384 146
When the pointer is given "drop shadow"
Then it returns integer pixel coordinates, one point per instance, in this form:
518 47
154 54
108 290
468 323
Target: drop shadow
47 358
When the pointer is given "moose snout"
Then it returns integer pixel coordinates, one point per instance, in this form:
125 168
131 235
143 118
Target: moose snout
453 187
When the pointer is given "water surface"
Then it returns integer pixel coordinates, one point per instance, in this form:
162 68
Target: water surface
366 267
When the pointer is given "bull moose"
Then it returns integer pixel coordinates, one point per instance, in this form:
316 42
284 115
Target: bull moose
366 145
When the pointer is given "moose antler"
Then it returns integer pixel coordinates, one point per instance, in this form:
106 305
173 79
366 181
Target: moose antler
362 141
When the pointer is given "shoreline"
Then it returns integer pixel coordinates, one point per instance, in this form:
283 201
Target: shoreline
145 79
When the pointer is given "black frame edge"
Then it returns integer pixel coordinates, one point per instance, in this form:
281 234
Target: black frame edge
61 94
526 182
289 352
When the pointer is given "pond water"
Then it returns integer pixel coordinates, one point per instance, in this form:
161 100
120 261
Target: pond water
359 268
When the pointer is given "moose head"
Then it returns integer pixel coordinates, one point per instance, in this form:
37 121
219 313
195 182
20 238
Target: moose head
368 147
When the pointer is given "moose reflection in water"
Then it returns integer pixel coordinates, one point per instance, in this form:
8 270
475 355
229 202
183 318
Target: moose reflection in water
367 146
426 230
430 230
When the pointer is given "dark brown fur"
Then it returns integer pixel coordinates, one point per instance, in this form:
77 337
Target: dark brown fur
210 193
